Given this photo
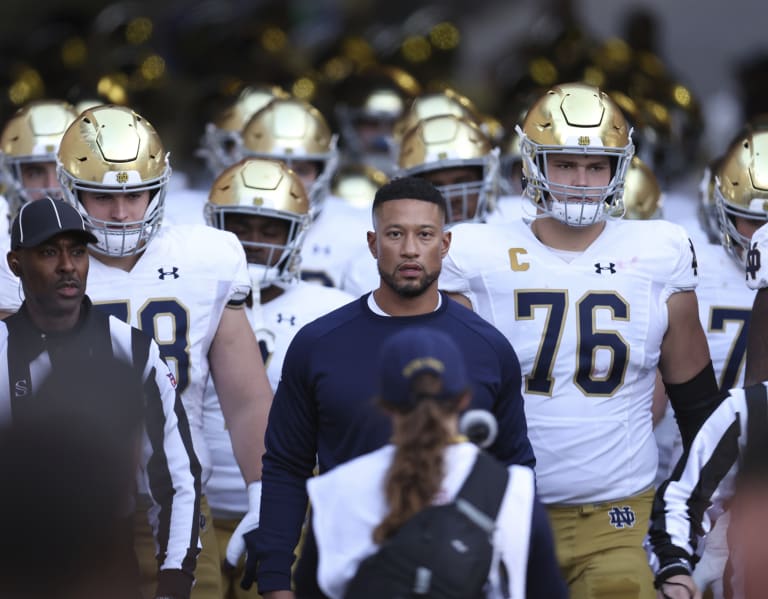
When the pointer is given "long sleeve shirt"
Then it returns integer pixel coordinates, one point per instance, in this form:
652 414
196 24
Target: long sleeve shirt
324 411
168 463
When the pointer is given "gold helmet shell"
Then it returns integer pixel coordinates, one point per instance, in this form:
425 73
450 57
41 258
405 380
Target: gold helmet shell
268 189
113 149
741 189
291 130
642 193
358 184
220 146
446 142
32 134
435 104
575 118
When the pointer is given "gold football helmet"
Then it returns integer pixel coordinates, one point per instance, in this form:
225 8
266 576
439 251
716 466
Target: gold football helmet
221 142
575 118
447 143
358 184
32 135
292 130
741 190
269 189
435 104
112 149
642 193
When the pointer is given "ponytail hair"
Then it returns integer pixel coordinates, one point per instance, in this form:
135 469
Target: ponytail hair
420 437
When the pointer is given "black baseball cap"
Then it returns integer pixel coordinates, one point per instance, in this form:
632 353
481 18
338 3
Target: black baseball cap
39 220
416 350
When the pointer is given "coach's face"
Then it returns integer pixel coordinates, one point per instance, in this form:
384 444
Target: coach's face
53 276
409 244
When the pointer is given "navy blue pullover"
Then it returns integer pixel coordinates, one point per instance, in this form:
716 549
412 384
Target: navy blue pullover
324 412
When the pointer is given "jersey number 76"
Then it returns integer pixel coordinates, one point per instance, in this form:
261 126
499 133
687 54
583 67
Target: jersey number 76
589 339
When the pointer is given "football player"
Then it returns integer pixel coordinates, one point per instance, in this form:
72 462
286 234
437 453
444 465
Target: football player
28 145
368 105
220 147
739 193
272 230
185 285
593 304
296 133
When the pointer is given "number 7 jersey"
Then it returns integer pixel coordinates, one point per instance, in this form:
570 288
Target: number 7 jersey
587 329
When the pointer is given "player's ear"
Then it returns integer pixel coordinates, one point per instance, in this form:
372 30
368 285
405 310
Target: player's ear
446 245
13 263
372 244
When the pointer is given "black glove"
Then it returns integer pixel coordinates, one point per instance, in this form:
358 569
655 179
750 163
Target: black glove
251 560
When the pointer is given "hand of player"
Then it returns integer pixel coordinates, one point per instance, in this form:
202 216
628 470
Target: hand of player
680 586
236 545
278 595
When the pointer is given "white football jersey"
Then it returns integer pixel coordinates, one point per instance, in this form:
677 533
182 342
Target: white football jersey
757 259
337 235
177 291
683 209
11 294
725 307
5 222
588 334
275 323
185 207
361 275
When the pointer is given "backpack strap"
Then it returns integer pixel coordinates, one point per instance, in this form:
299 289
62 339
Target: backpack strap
482 492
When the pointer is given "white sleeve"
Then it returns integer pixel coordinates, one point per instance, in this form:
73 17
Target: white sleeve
683 274
452 278
171 467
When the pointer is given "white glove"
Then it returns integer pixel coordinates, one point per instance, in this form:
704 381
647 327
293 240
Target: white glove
236 545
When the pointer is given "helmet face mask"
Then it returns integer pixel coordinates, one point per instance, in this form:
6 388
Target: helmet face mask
255 191
30 139
709 213
575 120
447 150
293 132
741 192
113 150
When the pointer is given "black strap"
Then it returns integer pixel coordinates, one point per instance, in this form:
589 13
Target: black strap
486 484
757 427
19 379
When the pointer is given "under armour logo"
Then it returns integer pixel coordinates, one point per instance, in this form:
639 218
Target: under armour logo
753 261
291 320
622 517
694 263
321 249
174 272
599 268
21 388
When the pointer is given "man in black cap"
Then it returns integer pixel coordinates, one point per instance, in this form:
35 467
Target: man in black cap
55 351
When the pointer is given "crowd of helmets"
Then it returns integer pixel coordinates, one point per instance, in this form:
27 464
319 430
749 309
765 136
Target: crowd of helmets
358 121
